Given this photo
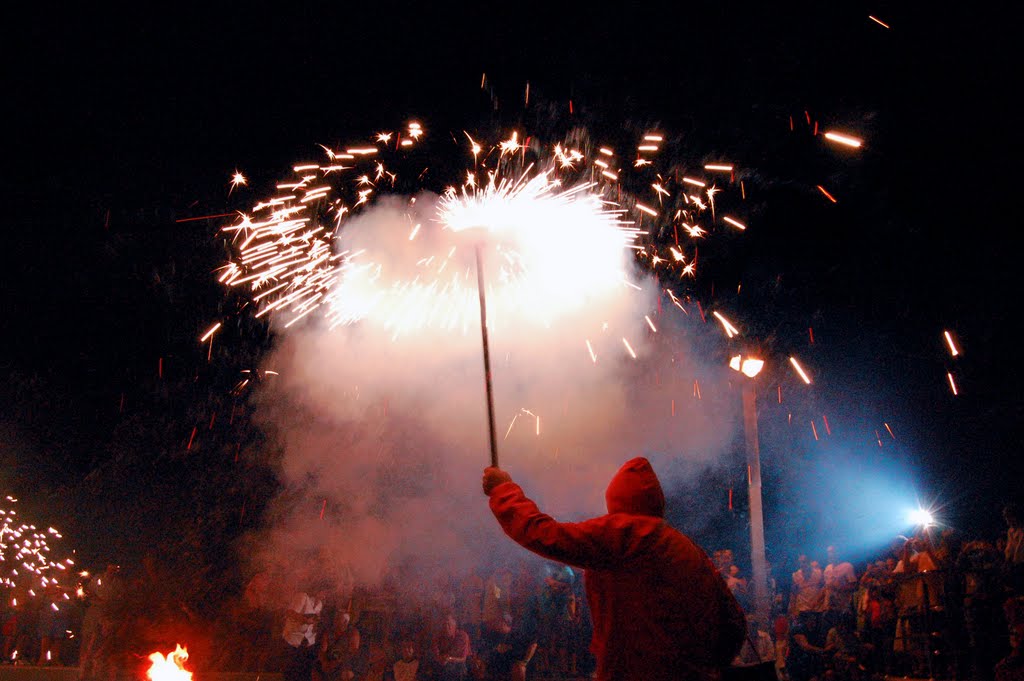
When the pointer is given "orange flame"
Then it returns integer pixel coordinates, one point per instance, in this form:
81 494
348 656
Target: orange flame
170 668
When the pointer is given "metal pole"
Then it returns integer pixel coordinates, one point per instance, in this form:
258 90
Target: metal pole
487 356
758 561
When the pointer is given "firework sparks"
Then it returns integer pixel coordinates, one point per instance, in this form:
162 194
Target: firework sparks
730 330
210 332
554 223
845 140
26 553
237 180
735 223
952 346
800 370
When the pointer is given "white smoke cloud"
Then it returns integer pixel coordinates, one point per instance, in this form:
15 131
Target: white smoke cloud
384 435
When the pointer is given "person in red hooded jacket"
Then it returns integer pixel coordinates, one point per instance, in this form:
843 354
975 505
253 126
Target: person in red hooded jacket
660 609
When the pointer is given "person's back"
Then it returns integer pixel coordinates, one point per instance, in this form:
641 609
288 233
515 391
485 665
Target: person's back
660 609
659 605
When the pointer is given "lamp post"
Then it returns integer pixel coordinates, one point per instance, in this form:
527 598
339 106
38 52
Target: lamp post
750 367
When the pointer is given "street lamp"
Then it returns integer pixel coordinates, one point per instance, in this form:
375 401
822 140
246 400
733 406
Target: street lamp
750 366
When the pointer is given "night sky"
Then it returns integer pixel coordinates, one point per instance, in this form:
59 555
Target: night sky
122 123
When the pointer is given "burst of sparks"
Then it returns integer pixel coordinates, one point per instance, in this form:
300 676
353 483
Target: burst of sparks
237 180
26 552
511 145
694 231
288 250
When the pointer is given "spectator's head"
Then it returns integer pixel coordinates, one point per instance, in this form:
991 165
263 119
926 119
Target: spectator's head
802 562
450 626
1012 514
1013 611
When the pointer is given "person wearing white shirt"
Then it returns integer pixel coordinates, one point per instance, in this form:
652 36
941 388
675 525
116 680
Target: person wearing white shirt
300 630
840 583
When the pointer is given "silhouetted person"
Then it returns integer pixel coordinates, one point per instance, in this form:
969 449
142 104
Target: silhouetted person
660 609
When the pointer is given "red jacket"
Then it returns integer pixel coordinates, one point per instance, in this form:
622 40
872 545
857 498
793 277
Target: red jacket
660 609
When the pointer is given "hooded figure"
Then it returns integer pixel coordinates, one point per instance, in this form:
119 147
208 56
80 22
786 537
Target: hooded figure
660 609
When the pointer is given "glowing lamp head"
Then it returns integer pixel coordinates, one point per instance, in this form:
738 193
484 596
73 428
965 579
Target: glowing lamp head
748 366
920 517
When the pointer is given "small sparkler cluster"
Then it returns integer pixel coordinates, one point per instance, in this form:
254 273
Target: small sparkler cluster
27 558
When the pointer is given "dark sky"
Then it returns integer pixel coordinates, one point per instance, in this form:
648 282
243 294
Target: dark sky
121 122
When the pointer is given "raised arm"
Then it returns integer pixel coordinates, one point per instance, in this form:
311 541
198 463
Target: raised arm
583 545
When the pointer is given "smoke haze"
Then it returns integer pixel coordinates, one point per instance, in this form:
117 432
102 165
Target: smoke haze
384 436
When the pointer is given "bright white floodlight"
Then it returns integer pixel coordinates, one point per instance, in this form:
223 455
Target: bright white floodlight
921 517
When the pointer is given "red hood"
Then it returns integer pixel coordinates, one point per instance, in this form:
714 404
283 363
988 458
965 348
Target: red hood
635 489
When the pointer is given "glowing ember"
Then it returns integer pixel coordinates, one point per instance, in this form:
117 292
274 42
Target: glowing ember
952 346
735 223
800 370
846 140
170 668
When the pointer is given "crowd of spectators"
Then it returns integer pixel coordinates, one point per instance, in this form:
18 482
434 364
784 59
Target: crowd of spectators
502 626
931 606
